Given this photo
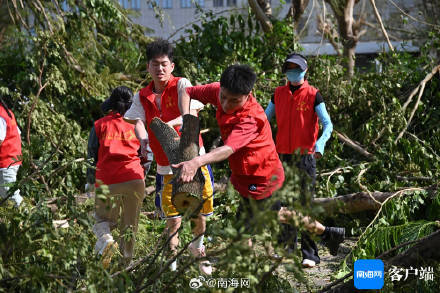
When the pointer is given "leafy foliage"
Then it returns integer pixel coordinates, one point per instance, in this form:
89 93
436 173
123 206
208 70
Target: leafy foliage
55 71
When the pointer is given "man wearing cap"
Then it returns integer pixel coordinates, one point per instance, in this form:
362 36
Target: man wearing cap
297 107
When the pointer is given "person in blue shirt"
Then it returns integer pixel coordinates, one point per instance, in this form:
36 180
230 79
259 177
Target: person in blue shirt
298 107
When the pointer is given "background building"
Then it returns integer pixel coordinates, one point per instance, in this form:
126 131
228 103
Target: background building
169 19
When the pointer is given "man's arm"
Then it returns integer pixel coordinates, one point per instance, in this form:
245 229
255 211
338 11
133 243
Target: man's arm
189 168
142 135
324 118
270 110
184 101
92 155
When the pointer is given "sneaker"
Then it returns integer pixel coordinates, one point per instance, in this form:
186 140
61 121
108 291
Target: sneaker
109 251
308 263
204 265
106 248
332 238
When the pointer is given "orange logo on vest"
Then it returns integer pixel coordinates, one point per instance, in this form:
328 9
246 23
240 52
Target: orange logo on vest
126 135
170 102
302 106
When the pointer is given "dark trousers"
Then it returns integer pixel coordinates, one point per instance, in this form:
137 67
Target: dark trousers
247 207
307 165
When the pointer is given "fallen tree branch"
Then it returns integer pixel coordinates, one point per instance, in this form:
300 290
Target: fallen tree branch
353 145
379 19
416 106
421 86
424 250
414 92
360 201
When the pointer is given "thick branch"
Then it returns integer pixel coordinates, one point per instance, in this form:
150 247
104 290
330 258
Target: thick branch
353 145
263 19
357 202
421 86
379 19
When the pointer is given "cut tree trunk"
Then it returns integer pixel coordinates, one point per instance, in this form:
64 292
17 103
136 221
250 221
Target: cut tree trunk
186 197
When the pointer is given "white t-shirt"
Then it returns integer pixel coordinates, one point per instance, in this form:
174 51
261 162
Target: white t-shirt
3 128
136 112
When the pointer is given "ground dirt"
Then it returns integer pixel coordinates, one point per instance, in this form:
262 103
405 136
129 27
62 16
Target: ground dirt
322 274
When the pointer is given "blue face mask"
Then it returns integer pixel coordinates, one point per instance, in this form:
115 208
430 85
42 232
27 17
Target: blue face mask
295 75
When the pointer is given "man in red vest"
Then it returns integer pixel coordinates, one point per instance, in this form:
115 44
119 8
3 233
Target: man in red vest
248 145
10 152
297 107
160 99
113 147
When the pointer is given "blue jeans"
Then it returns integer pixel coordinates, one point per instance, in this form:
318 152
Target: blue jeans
8 176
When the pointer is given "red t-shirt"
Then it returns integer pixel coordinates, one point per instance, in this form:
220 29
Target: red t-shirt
243 134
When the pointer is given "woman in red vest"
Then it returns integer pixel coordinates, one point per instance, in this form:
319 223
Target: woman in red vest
298 107
113 147
10 152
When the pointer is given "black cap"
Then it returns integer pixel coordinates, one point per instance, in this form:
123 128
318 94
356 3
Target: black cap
106 105
296 58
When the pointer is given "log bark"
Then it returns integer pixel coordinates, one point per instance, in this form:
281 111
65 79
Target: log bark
353 202
357 202
186 197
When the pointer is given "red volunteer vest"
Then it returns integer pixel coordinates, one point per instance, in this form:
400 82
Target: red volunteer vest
118 159
296 119
10 149
170 110
259 158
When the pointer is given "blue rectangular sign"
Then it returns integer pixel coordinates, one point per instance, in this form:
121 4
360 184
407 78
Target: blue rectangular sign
368 274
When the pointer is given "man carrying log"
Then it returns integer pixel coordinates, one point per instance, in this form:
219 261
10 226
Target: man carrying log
248 145
257 171
160 99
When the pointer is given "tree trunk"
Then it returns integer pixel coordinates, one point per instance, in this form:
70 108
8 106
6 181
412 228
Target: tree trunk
186 197
357 202
349 30
262 18
349 54
296 10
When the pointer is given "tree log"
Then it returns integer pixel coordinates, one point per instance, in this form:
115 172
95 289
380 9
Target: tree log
356 202
186 197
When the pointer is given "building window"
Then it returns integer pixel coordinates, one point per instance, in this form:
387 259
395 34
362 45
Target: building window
153 3
218 3
185 3
200 3
136 4
167 3
231 2
124 4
